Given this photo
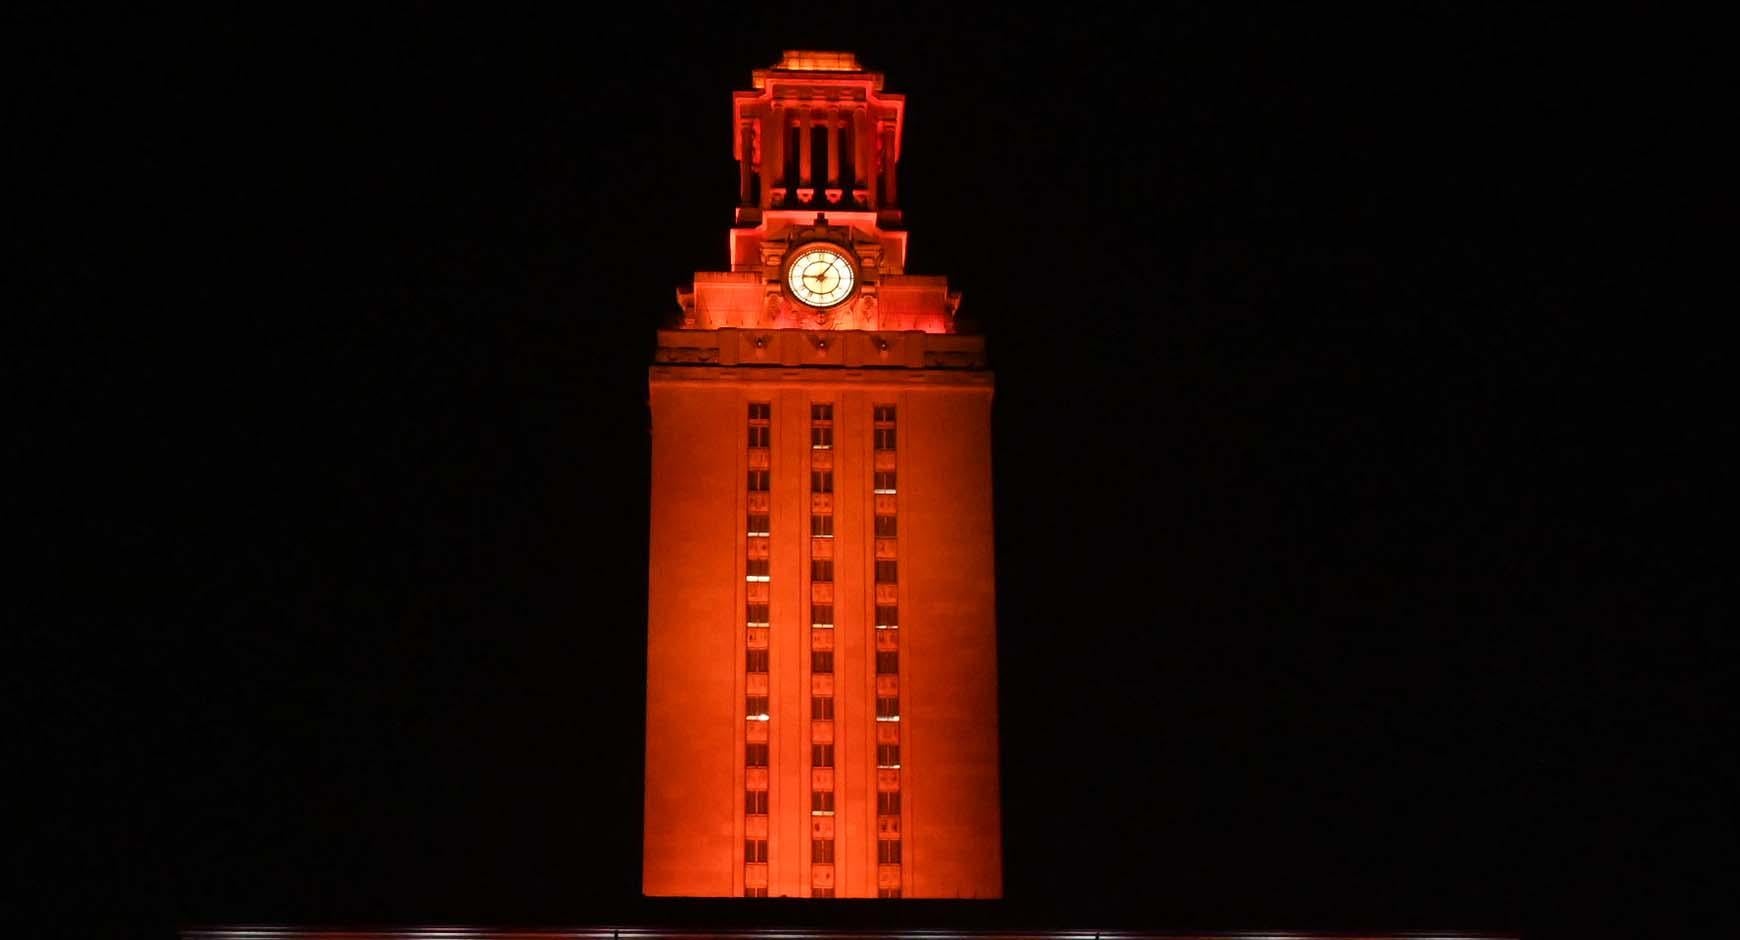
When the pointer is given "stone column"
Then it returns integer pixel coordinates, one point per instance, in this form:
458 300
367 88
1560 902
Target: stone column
862 152
888 163
774 176
872 160
833 147
746 143
804 175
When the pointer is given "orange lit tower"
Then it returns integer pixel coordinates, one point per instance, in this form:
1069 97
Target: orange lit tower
821 636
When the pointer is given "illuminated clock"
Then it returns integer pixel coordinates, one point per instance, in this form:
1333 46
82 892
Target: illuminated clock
820 275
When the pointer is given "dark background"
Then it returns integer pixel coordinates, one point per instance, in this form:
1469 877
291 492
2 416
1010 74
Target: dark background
1358 556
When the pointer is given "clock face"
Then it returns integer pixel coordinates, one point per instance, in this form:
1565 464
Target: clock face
820 276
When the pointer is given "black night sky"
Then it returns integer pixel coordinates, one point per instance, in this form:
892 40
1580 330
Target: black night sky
1352 473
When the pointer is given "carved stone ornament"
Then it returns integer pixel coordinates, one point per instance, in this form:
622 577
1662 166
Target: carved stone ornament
864 310
777 308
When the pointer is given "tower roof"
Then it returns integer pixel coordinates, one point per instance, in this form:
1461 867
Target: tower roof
816 60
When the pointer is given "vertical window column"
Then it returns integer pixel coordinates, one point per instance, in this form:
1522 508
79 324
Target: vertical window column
885 550
757 568
822 770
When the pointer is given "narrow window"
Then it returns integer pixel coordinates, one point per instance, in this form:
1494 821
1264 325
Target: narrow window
888 755
821 755
821 481
756 660
755 706
758 435
821 801
884 438
821 850
821 437
887 706
755 755
755 802
885 482
758 481
887 662
880 893
884 413
887 615
759 893
888 851
755 850
822 615
888 803
886 527
821 892
760 411
821 411
821 708
821 570
757 523
822 526
822 661
757 614
885 572
756 570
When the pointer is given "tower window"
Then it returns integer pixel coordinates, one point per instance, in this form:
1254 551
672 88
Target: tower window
887 662
888 851
885 572
888 755
755 802
880 892
757 523
759 893
821 755
822 801
887 615
884 438
888 803
822 526
887 707
822 661
822 411
755 850
821 850
755 755
821 438
758 435
821 892
755 706
756 660
758 481
760 411
886 527
756 614
883 413
821 707
756 569
821 481
822 615
884 481
821 570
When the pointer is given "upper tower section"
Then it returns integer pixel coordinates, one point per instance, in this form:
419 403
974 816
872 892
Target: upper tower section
817 241
817 133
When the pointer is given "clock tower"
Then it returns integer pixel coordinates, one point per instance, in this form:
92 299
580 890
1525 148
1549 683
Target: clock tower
821 636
